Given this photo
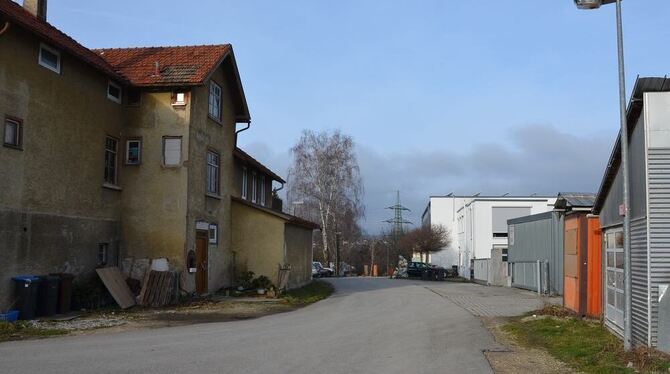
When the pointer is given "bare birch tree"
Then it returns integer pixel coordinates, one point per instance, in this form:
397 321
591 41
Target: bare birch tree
326 179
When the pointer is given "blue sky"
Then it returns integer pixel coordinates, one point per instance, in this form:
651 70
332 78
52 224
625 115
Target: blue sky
440 96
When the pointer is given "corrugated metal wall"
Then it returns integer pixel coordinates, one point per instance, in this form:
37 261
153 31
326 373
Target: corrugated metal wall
542 240
609 214
524 275
659 228
638 253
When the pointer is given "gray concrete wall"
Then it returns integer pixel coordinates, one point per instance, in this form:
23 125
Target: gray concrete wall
298 254
38 244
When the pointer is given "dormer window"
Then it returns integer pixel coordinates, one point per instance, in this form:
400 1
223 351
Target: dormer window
114 92
49 58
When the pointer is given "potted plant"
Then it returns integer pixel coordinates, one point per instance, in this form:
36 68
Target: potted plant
261 284
244 280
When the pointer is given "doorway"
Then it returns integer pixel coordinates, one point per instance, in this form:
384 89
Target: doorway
201 258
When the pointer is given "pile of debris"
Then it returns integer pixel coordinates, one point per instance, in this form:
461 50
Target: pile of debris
160 285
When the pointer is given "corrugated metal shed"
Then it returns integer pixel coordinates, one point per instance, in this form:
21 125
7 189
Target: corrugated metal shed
532 238
642 85
649 152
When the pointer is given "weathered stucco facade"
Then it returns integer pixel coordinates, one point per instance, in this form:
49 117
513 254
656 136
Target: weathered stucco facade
54 210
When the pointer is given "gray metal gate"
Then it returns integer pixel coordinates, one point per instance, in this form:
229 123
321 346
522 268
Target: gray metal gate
530 275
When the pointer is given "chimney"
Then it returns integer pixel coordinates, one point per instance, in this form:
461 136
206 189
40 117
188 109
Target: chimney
37 8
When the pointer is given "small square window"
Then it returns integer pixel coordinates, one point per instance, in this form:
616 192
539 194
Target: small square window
178 98
13 132
114 92
49 58
213 233
133 151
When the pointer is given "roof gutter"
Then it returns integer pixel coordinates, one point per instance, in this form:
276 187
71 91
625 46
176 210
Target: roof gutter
242 129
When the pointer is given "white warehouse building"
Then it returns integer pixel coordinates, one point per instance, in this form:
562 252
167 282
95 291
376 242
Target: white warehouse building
477 224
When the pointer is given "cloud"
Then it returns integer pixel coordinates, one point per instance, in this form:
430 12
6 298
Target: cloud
531 159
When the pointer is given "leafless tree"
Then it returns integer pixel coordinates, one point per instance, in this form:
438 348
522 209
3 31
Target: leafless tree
425 240
325 177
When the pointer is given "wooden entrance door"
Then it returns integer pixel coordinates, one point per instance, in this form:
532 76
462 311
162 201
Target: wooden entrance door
572 290
201 256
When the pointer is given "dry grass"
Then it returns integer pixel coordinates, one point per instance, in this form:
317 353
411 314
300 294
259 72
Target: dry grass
585 345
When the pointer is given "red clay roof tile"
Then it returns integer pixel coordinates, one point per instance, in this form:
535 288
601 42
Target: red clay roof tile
166 66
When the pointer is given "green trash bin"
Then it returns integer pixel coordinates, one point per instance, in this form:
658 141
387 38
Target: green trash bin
64 292
26 295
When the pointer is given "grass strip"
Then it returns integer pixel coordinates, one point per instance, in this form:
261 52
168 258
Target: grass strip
585 345
310 293
24 330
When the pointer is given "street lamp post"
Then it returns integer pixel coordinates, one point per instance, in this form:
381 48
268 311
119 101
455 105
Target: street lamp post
594 4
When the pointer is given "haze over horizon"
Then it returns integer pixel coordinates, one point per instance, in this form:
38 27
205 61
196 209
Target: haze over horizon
464 97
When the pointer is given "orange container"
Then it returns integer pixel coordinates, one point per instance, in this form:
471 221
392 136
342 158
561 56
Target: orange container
582 266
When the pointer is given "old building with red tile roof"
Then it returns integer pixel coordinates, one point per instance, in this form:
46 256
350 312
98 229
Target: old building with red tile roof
112 156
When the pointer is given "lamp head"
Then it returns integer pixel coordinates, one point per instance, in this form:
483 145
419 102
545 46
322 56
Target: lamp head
588 4
592 4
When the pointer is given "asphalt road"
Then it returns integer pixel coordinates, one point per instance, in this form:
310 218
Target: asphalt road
367 326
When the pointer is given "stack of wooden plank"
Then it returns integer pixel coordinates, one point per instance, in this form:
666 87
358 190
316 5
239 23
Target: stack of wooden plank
159 288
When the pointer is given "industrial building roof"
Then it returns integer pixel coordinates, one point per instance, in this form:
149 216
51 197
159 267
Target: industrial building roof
568 200
635 105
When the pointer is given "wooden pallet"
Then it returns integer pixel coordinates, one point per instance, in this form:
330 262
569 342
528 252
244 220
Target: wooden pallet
159 288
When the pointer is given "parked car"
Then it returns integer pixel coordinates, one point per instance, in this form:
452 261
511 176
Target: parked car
315 270
426 271
322 271
415 269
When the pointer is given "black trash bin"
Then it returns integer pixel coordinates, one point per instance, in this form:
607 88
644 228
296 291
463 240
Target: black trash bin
64 292
26 295
47 296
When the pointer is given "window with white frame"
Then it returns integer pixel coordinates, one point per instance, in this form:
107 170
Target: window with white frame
213 233
111 150
114 92
214 100
13 132
133 151
49 58
254 187
179 98
245 182
212 172
262 190
171 150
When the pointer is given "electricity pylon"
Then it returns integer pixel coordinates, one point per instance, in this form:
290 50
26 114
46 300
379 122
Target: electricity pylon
398 226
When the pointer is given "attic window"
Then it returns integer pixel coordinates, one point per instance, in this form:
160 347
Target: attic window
114 92
178 98
49 58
